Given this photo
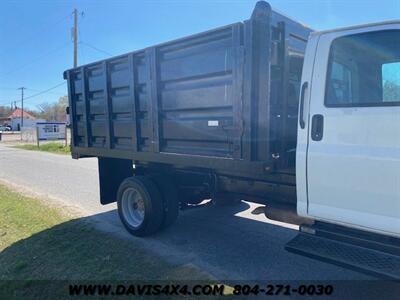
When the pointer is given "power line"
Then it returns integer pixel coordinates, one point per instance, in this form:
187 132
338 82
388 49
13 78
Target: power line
35 60
53 93
15 88
38 94
97 49
36 33
46 91
42 56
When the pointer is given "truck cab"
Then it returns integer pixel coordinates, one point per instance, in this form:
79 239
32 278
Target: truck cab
348 146
348 151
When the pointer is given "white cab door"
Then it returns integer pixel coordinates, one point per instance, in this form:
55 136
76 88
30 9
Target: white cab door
353 154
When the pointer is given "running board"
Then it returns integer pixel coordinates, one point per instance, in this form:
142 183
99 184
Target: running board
354 249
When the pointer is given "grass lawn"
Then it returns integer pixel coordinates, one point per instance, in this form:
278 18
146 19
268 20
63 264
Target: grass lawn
39 243
53 147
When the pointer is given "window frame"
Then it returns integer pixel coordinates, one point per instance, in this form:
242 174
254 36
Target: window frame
329 70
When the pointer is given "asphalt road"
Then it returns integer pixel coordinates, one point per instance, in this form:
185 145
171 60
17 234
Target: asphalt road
232 243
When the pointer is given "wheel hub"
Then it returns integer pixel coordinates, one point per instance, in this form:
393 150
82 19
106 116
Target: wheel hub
133 207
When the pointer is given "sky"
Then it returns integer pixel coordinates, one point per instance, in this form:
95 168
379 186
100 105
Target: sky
36 44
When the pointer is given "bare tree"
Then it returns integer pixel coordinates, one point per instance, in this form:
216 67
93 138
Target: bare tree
5 111
391 91
53 111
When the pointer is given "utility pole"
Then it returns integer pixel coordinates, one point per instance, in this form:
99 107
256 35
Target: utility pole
22 105
75 37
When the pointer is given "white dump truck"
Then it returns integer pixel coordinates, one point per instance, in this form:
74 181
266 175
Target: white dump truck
265 110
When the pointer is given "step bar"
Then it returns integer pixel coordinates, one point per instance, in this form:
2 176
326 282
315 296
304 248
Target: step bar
365 252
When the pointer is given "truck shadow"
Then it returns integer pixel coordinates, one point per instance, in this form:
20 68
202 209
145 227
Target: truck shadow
232 242
226 242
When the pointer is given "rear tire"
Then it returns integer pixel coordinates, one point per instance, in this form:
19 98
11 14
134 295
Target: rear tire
140 206
170 199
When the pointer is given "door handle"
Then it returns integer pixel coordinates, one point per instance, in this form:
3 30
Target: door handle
301 117
317 127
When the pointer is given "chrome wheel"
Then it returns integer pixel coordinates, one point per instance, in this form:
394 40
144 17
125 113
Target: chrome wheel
133 207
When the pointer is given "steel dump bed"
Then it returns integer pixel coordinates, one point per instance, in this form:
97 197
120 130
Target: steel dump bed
225 100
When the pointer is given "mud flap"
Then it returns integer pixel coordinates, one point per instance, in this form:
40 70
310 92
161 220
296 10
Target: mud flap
112 171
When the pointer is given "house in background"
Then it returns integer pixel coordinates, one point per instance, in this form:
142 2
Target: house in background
15 120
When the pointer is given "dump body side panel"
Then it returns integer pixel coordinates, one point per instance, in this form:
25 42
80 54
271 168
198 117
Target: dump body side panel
182 97
217 100
197 91
109 104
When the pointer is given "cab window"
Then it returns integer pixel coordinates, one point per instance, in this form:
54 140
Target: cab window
364 70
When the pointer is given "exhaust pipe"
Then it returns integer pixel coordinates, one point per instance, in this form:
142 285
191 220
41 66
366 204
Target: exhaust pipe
285 213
